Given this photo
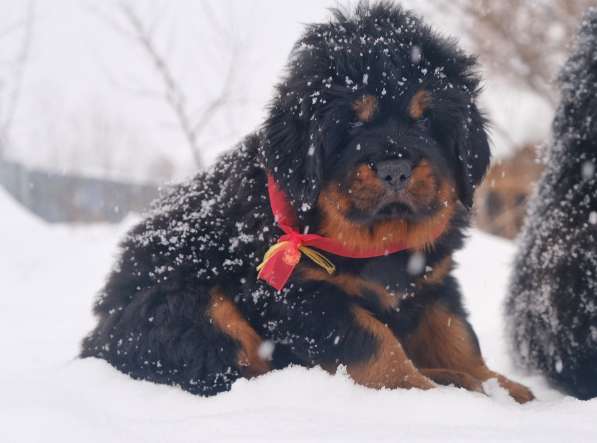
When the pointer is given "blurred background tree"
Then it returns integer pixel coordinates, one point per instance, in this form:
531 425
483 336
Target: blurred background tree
521 40
19 33
524 43
135 93
192 119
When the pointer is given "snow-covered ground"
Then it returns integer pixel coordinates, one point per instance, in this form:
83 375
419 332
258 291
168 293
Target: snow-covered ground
48 277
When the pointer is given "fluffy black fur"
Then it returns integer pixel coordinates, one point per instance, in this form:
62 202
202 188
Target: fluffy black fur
552 307
210 233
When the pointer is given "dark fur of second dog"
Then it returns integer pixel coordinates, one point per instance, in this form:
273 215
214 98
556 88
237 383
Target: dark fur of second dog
552 307
371 94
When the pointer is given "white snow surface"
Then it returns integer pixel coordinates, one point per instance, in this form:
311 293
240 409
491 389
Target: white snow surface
49 276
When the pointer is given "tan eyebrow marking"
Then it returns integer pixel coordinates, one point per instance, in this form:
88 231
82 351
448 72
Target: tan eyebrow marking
419 104
365 108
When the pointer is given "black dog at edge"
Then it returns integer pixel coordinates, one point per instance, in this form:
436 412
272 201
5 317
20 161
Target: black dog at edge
375 138
552 307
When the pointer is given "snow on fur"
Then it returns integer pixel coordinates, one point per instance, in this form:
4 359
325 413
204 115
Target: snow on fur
552 307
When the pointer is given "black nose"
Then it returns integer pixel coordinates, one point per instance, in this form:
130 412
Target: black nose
394 173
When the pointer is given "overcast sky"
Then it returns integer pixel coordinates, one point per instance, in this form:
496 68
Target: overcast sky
87 85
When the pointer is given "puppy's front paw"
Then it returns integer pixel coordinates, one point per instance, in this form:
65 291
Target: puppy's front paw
518 392
459 379
417 380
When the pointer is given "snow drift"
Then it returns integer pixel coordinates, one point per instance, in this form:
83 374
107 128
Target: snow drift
49 276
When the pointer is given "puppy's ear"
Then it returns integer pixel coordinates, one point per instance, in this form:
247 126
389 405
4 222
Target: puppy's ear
473 153
292 151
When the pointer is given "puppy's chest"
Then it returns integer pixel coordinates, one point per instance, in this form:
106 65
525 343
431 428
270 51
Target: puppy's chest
397 275
380 284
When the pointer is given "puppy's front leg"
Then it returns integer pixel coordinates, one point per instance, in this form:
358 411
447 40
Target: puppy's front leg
445 342
323 326
387 366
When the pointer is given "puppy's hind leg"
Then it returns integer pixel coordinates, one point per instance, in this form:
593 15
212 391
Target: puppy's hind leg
227 318
175 337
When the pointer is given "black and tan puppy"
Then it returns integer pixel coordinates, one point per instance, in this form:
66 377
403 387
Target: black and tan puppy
374 139
552 307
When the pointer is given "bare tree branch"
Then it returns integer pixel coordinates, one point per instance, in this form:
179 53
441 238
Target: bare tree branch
15 26
522 40
191 124
173 94
19 74
222 99
109 21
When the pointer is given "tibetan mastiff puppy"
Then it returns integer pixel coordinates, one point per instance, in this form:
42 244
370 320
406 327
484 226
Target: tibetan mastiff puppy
372 148
552 306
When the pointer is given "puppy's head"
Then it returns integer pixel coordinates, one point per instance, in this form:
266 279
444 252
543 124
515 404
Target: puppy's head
376 123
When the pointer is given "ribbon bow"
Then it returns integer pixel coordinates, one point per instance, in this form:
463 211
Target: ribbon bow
281 259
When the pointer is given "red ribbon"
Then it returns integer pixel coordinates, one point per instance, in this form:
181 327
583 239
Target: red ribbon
282 258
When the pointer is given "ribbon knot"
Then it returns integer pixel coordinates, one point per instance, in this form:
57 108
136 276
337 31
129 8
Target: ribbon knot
281 259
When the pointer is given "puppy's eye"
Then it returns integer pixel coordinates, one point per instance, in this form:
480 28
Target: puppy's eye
423 123
356 124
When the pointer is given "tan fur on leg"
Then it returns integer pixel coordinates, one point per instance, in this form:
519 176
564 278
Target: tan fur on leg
389 367
443 341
